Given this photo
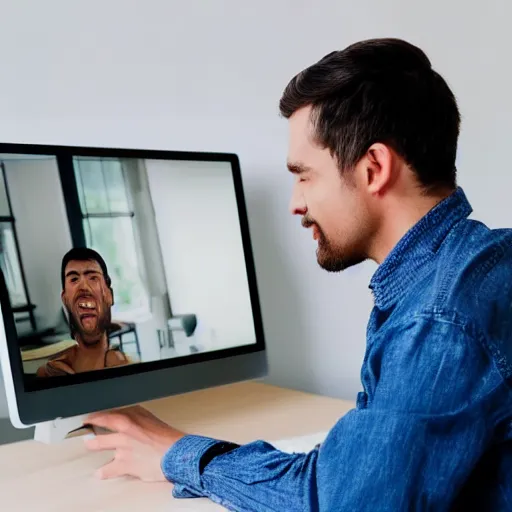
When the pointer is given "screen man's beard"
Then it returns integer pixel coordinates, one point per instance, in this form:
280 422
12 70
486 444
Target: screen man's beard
94 337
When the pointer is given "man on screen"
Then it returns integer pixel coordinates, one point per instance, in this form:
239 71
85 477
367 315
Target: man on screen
88 297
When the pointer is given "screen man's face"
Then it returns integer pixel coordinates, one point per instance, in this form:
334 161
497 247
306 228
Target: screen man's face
88 300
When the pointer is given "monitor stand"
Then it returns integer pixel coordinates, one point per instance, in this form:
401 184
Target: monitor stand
57 430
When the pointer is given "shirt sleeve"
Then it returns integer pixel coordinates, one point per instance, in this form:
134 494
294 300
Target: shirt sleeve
242 477
432 397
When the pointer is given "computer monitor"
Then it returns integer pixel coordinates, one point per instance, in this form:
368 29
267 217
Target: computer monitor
126 275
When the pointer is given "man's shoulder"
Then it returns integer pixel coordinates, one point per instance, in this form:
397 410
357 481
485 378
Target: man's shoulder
115 357
472 264
472 257
65 356
60 364
472 277
456 320
472 239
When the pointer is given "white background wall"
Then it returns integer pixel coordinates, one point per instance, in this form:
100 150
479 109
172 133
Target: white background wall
201 75
199 231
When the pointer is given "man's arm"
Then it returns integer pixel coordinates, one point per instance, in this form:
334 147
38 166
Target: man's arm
430 413
254 476
141 442
55 368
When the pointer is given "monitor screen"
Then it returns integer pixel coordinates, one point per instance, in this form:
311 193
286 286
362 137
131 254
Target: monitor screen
117 263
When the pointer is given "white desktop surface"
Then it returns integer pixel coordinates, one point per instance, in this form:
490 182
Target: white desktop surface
59 478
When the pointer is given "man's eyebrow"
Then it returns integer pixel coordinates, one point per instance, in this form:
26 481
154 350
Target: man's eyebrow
298 168
86 272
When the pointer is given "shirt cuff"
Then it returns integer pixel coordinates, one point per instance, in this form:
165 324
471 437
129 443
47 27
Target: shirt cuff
181 463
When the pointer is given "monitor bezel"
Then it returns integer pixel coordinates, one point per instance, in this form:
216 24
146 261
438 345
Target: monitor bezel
60 397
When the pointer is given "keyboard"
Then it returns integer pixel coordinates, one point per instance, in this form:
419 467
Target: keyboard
300 444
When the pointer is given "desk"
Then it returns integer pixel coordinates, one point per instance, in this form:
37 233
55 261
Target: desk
59 478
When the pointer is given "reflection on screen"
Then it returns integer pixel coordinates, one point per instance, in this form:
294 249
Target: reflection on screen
112 262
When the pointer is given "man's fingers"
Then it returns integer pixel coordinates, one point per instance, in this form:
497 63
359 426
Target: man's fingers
119 419
111 420
114 469
106 442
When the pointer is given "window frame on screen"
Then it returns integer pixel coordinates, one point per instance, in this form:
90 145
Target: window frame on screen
81 237
73 395
26 306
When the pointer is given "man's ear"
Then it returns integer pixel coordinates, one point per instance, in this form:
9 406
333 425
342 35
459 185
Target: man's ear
379 161
62 297
111 296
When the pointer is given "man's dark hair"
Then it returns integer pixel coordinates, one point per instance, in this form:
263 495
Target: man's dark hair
381 90
84 254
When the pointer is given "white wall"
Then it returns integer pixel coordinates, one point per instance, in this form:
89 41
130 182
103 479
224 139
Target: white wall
160 75
43 231
199 231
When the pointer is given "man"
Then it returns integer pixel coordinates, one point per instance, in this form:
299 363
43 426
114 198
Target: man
373 140
88 297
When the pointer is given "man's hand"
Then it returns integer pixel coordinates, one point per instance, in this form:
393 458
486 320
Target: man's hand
139 440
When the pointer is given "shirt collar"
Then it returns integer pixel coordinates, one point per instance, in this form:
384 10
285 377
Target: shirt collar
403 264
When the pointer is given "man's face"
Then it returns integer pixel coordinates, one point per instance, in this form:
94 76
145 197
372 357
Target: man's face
332 205
88 299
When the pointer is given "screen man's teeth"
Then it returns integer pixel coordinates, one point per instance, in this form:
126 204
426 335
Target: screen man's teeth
86 305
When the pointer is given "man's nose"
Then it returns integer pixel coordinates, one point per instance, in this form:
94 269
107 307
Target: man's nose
84 284
297 204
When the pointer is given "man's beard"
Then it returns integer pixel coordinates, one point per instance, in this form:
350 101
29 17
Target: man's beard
330 257
88 337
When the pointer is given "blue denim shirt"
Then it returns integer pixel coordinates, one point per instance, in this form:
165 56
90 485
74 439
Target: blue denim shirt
432 428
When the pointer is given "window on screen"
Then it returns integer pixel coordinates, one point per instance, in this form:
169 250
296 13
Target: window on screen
110 225
10 263
10 257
